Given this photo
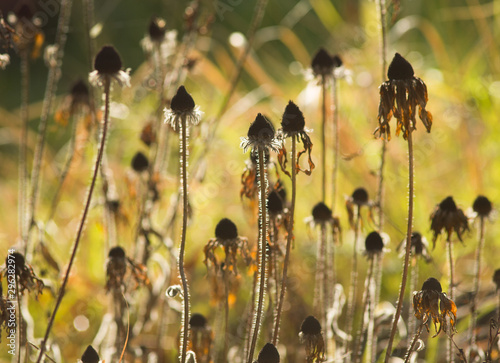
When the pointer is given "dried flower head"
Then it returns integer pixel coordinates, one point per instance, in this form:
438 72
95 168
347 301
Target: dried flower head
275 203
76 102
157 29
182 105
107 66
496 278
268 354
358 198
148 134
117 267
419 246
261 134
140 162
25 276
482 206
374 244
292 125
310 334
432 303
322 63
90 356
201 337
399 97
321 213
26 29
447 216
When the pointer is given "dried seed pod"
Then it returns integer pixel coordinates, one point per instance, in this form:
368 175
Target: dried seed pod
90 355
360 196
293 119
432 284
321 213
226 229
310 326
449 217
268 354
140 162
400 68
261 130
108 61
274 202
322 63
482 206
157 29
496 278
182 102
374 242
197 320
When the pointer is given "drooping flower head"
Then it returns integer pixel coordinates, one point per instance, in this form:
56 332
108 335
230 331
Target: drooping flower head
430 303
449 217
399 97
311 334
419 246
358 198
117 267
107 67
201 337
182 106
25 276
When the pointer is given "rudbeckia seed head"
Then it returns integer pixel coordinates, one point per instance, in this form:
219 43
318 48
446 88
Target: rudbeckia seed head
274 202
182 101
80 90
293 119
157 29
482 206
400 68
321 213
374 242
432 284
140 162
226 229
417 243
322 63
310 326
116 252
90 355
268 354
448 205
19 262
360 196
107 61
197 321
496 278
261 130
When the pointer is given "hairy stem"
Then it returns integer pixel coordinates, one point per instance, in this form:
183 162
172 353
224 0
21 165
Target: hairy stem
23 151
323 138
413 343
86 209
185 212
399 306
412 321
371 338
262 248
474 313
336 149
451 288
289 240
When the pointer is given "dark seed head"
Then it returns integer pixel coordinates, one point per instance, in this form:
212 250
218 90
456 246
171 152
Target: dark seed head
80 90
274 202
19 262
322 63
157 29
310 326
261 130
268 354
321 213
25 11
293 119
417 243
226 229
482 206
400 68
360 196
448 205
90 355
496 278
140 162
197 321
374 242
107 61
182 101
116 252
337 61
432 284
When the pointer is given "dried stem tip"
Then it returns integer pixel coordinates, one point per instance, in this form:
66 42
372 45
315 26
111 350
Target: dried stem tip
107 61
374 242
197 321
261 130
400 68
157 29
293 119
116 252
360 196
182 102
268 354
140 162
482 206
310 326
321 213
226 229
274 202
90 355
432 284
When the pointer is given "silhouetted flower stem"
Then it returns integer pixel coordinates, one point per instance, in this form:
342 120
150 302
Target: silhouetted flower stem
451 289
323 138
100 153
336 149
351 300
413 342
23 152
399 306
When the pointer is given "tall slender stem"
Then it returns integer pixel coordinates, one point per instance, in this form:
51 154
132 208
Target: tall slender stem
413 342
323 138
336 149
289 240
451 290
351 300
371 338
262 248
185 212
23 152
399 306
473 322
100 153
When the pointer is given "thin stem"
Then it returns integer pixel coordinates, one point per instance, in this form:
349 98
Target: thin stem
23 152
320 278
474 313
451 288
399 306
351 300
289 240
262 247
412 322
21 338
336 149
371 338
100 153
413 343
226 307
185 289
323 138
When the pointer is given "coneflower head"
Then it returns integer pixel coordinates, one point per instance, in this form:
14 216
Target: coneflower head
432 284
268 354
156 29
293 119
197 321
274 202
226 229
360 196
400 68
107 61
182 101
140 162
90 355
310 326
482 206
321 213
374 242
116 252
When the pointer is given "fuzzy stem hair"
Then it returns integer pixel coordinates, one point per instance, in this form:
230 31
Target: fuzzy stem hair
23 152
323 138
336 149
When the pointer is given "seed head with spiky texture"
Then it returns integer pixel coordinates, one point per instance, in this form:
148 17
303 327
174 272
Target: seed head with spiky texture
261 134
182 105
107 67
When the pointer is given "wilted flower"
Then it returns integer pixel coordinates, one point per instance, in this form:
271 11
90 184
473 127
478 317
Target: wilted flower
292 125
25 277
419 246
358 198
432 303
140 162
25 31
268 354
261 134
90 356
77 101
310 334
399 97
117 267
107 67
447 216
374 244
182 105
201 338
